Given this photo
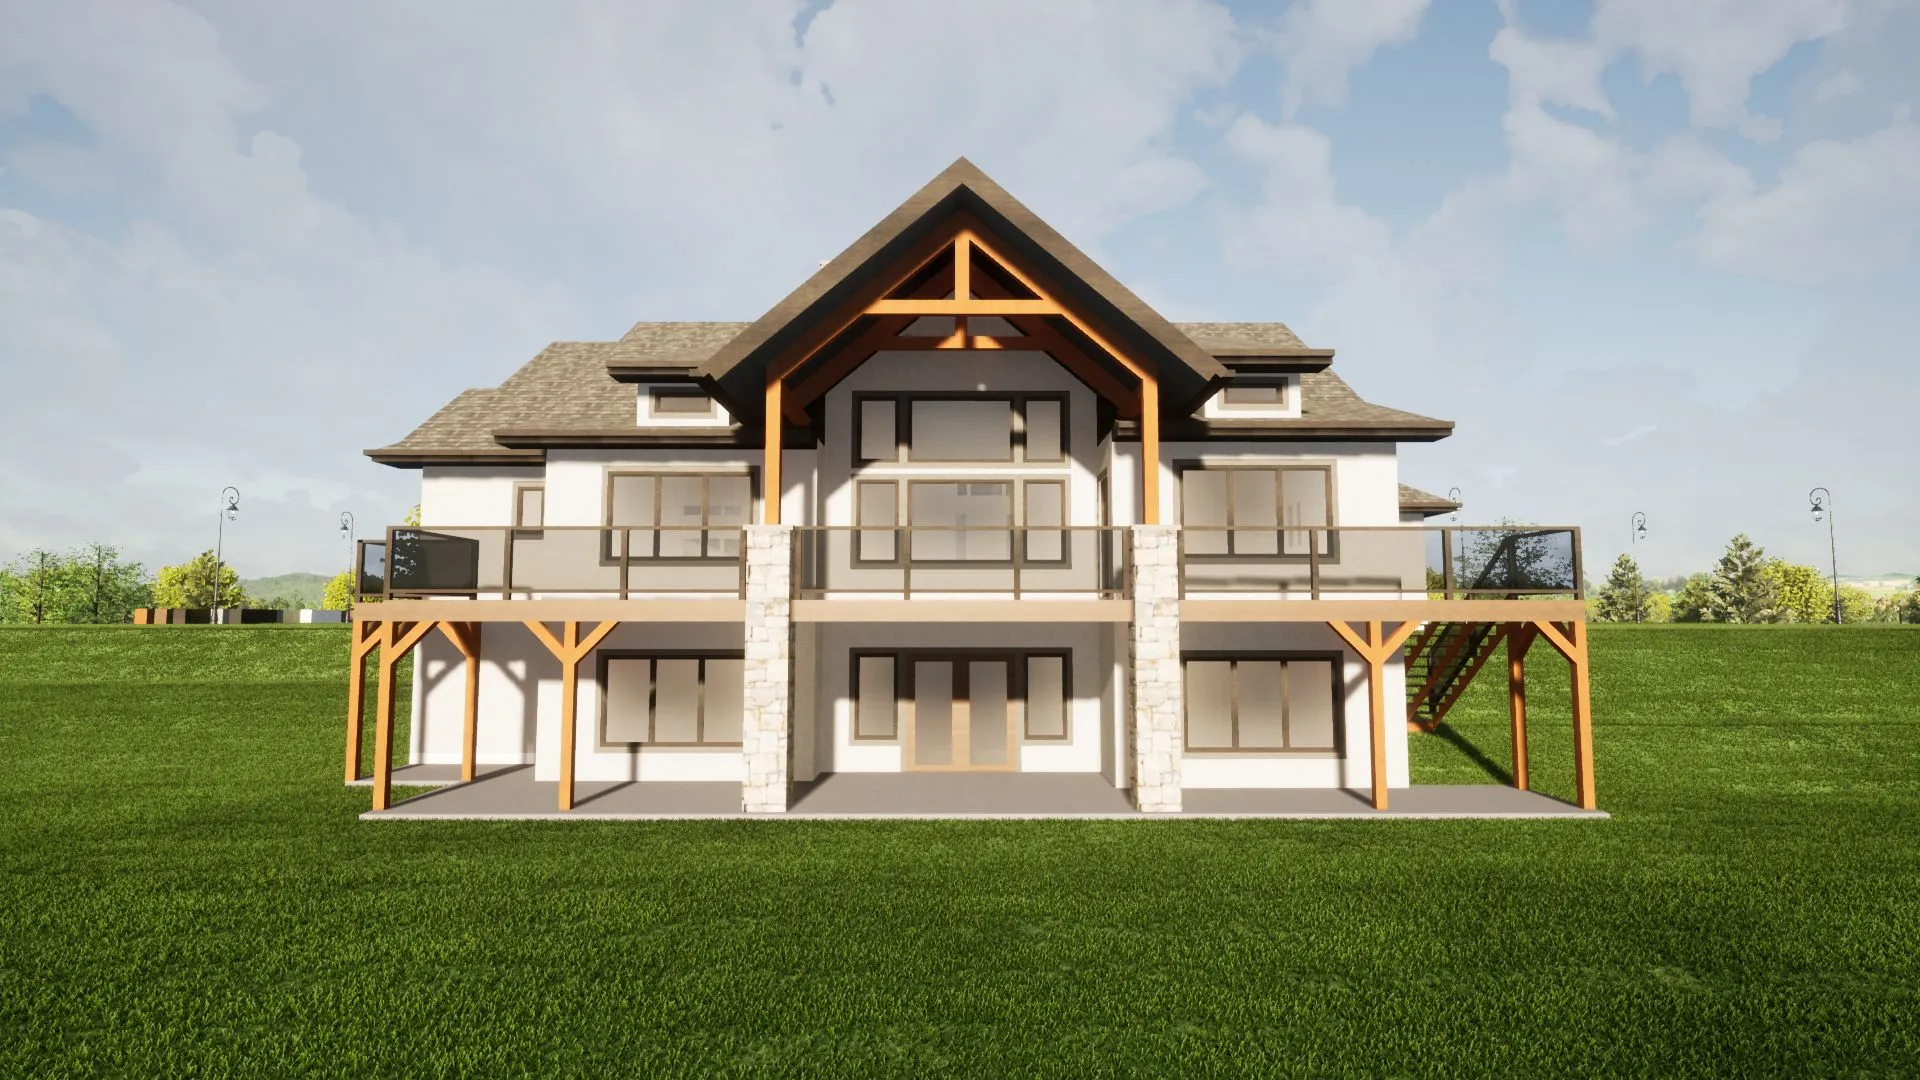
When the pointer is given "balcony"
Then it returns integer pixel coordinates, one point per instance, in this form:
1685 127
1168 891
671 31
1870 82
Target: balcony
1381 562
961 562
555 562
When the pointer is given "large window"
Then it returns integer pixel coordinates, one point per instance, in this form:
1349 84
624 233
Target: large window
970 428
1042 688
1255 510
1262 702
671 698
678 515
961 521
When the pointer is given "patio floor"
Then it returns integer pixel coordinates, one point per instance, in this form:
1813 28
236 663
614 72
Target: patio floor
511 793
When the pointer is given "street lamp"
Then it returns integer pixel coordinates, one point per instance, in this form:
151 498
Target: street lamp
1822 501
353 583
229 510
1453 496
1639 534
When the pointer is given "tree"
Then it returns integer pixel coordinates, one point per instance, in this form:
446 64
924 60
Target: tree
413 517
1512 559
1856 604
1801 594
1694 601
190 585
1659 607
338 592
1624 597
90 585
1741 592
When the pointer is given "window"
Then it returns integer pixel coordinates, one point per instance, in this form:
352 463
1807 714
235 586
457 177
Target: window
1046 507
961 520
679 402
1262 702
671 699
529 505
678 515
1262 395
1043 681
974 428
980 516
1247 510
877 508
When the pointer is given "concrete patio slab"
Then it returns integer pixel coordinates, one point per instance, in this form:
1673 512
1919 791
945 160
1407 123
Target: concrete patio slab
512 794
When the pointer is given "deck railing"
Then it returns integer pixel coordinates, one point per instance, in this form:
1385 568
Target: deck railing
515 563
1409 562
961 561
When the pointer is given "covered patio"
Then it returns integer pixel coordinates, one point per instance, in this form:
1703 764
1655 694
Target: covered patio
511 793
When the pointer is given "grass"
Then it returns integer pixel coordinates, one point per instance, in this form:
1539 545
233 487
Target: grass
188 892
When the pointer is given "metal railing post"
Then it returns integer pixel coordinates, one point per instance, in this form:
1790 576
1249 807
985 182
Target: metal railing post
626 555
1446 562
1313 565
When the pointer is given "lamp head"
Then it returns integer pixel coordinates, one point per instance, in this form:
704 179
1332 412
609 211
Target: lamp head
1642 532
233 513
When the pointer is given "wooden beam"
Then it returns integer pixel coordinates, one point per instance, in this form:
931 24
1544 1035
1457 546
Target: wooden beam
383 722
770 470
963 267
1519 638
365 637
1149 450
569 649
1375 648
958 308
1067 354
1140 368
883 334
1571 642
933 246
466 638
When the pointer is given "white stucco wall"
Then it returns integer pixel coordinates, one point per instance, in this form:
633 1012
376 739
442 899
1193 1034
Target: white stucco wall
1355 770
451 496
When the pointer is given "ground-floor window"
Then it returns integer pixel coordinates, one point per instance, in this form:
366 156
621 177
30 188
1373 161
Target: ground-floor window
1035 685
671 698
1262 702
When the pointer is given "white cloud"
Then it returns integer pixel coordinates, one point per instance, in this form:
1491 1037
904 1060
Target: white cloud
1836 86
1717 47
1321 42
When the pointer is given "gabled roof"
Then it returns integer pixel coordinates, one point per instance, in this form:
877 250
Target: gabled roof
737 372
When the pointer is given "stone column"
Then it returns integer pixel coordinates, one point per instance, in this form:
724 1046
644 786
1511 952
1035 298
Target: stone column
766 729
1153 656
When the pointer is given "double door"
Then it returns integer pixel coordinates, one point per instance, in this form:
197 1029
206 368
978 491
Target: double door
960 713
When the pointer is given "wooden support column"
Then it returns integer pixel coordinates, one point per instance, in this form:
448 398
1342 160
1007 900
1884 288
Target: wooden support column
366 635
1572 644
1519 637
1150 451
466 638
570 649
770 469
1376 648
395 643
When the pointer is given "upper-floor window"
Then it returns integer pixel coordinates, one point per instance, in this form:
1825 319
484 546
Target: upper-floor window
1256 509
1255 395
969 428
529 505
678 515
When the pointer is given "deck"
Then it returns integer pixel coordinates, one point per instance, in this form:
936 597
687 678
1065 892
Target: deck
510 793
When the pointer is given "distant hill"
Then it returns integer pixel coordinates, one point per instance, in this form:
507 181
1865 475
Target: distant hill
307 588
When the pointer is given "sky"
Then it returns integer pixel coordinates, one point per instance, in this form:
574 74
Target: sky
1650 257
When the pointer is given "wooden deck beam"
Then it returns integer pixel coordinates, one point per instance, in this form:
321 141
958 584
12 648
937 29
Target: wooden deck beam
366 637
1571 642
1376 646
1519 638
395 643
569 649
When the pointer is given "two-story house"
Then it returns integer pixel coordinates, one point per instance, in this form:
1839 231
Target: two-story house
961 503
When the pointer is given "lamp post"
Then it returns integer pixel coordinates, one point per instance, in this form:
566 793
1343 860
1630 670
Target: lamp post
1822 501
353 584
1639 534
229 510
1453 496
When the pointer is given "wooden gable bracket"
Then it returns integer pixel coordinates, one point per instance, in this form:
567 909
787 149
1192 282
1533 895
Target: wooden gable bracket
1376 648
466 637
1570 640
397 639
570 649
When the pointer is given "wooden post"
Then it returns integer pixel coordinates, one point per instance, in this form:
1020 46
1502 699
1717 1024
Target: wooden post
366 635
1376 648
466 638
1519 637
770 470
1572 644
569 652
1149 451
394 646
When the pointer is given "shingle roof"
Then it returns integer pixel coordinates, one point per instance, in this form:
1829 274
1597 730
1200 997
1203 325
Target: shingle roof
1412 498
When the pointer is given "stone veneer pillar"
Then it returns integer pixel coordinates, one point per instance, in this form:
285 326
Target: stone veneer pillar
1153 655
766 728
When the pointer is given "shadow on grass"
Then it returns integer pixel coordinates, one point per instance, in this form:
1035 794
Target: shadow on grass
1492 768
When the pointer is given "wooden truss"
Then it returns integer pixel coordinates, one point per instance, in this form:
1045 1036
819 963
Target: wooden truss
959 272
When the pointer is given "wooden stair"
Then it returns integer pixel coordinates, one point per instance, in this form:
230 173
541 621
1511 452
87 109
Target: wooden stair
1442 659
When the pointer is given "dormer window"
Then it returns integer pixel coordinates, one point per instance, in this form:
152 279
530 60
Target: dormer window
1264 395
679 403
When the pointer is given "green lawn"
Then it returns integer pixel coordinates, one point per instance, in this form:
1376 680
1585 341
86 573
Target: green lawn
187 891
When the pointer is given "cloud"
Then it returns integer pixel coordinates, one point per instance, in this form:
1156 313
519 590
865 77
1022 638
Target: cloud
1836 86
1321 42
1717 47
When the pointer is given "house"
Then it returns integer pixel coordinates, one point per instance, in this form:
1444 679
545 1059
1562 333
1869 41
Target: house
959 503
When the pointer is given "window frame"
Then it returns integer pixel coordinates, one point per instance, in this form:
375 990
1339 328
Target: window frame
520 488
1017 690
903 526
1279 470
606 657
1017 411
1280 382
1337 686
667 392
654 558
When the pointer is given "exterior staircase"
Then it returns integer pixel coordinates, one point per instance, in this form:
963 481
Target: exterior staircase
1442 659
